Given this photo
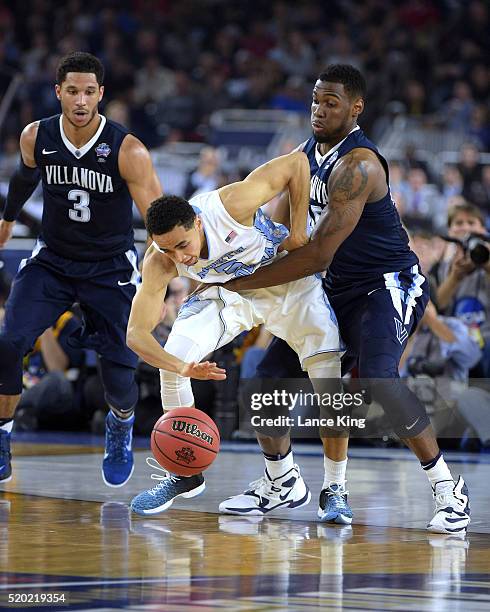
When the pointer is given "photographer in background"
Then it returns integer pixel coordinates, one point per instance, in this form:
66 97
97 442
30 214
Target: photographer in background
463 278
438 359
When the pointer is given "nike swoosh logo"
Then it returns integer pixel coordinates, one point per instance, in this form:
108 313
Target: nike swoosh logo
283 497
48 152
408 428
121 284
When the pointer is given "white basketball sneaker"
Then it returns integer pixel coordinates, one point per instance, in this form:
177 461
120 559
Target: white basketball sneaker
452 507
266 494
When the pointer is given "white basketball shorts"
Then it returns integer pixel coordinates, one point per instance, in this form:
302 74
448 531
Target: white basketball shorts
298 312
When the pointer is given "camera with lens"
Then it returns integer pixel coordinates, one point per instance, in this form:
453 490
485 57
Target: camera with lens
430 367
476 247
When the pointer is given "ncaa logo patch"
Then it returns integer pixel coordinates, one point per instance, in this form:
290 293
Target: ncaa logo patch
102 150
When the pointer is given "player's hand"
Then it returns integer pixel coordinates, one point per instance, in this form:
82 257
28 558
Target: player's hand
206 370
293 242
6 228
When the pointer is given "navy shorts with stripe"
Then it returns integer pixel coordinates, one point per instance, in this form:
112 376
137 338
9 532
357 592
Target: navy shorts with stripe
376 318
377 323
48 284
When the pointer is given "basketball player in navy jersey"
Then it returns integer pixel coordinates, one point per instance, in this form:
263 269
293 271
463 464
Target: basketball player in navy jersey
91 171
372 277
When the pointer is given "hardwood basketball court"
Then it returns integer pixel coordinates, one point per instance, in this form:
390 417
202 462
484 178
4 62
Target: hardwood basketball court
62 531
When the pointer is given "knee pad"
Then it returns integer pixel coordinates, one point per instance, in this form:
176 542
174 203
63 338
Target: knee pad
403 408
176 391
120 389
11 354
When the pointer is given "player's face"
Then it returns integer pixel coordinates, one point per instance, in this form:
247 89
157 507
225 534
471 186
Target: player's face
332 111
182 245
464 224
79 95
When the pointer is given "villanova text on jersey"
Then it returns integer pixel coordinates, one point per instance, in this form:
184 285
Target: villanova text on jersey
87 212
83 177
378 244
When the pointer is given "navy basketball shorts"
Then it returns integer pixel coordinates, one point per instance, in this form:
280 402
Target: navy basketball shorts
47 284
377 323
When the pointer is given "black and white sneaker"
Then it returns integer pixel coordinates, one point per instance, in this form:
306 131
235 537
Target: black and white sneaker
452 513
266 494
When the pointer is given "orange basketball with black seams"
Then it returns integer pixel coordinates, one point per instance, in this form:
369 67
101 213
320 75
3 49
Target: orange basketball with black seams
185 441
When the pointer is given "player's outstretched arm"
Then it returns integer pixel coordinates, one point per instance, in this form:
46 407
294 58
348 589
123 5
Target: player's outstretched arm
352 181
137 170
291 171
22 183
146 311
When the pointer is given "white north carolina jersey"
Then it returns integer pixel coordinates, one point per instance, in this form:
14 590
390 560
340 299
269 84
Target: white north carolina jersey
234 249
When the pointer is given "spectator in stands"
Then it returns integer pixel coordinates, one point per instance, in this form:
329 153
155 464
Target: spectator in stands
441 353
398 185
207 176
421 206
48 400
154 82
470 168
479 127
459 108
294 55
451 186
463 288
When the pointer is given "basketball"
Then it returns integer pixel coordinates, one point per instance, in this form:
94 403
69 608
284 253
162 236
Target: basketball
185 441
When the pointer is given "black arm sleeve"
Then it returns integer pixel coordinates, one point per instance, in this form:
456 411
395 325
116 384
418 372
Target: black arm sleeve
22 184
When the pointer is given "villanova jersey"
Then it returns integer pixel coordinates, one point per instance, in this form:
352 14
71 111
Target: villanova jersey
87 213
378 244
234 250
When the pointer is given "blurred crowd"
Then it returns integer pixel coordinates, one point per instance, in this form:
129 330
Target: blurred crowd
169 65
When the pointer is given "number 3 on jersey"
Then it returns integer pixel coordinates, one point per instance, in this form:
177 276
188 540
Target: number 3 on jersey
81 210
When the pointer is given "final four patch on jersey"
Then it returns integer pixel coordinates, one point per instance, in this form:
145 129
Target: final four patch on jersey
102 150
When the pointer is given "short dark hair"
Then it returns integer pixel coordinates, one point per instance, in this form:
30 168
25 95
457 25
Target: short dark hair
168 212
470 209
352 80
79 61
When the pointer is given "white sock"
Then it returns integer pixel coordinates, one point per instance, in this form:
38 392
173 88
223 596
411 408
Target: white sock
334 471
279 467
438 473
7 426
120 419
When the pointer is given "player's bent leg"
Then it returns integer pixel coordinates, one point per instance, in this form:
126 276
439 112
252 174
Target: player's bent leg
281 485
121 393
11 353
176 392
381 349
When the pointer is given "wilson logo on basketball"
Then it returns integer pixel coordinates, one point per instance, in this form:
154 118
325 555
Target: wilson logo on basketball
192 429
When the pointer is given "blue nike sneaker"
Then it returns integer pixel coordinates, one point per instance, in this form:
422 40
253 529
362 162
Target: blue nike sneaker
118 463
5 457
161 497
334 507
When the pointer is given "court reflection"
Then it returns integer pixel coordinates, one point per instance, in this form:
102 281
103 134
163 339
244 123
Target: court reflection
101 554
